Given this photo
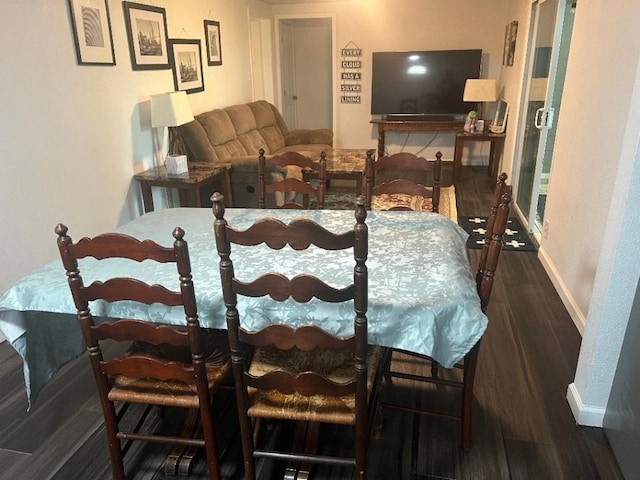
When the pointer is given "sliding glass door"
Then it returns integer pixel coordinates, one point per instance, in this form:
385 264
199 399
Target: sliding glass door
548 49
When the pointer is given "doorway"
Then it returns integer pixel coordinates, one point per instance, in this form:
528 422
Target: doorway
305 78
547 53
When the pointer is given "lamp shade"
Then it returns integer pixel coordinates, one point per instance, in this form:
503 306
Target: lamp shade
480 90
170 109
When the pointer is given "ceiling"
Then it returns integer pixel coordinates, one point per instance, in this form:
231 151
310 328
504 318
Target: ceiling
293 2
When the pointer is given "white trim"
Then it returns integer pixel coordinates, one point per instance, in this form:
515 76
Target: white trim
584 415
579 320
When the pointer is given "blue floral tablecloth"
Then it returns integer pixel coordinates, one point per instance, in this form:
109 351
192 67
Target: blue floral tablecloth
422 296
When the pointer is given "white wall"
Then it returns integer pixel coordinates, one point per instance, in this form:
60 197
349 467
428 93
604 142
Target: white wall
73 136
596 191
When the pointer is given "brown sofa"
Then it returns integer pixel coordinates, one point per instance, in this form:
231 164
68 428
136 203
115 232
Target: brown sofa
235 134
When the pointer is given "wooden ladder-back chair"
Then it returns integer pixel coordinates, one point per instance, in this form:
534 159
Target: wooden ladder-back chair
303 374
386 190
293 163
166 365
487 268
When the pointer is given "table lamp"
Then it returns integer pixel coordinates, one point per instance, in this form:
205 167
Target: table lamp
172 110
479 90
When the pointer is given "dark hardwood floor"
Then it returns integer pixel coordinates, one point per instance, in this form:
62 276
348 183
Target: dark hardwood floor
523 427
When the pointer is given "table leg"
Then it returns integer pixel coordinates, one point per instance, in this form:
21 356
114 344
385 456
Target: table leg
179 459
147 197
227 187
359 184
380 141
497 147
457 158
306 438
196 198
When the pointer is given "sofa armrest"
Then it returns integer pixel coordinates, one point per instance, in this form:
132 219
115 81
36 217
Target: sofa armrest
309 136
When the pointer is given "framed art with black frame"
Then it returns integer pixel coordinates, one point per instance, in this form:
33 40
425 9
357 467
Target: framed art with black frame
214 45
186 61
92 32
147 32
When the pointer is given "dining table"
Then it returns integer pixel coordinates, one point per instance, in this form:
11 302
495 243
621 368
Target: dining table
422 294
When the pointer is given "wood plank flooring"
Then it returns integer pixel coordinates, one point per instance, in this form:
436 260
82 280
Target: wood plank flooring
523 427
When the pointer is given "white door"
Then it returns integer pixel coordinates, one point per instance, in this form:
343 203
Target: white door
306 58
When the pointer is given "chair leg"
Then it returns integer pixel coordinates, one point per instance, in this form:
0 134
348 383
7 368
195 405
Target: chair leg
246 433
115 449
211 449
469 372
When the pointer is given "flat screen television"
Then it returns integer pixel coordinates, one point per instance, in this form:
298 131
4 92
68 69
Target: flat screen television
423 83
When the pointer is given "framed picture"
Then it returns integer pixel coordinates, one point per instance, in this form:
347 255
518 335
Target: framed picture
510 35
214 46
147 32
92 32
186 61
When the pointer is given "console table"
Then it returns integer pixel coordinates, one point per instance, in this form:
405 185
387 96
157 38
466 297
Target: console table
200 174
385 125
495 154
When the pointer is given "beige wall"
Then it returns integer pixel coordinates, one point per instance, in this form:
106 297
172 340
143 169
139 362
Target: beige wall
73 136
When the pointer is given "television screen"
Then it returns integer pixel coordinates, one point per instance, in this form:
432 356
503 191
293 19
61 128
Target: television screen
423 83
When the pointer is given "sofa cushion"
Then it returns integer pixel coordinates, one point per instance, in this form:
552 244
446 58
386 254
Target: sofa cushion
242 118
198 146
267 120
309 136
218 126
222 135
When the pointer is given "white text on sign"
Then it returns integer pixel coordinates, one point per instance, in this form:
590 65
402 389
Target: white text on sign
351 76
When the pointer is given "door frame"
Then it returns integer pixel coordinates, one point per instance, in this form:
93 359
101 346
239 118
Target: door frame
334 56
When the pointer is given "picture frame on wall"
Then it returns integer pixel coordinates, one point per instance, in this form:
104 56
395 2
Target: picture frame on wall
92 32
213 42
147 32
510 35
186 62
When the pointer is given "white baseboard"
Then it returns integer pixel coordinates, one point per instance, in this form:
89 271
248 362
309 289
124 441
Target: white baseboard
584 415
576 315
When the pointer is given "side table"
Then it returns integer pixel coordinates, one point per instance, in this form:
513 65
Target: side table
495 154
189 184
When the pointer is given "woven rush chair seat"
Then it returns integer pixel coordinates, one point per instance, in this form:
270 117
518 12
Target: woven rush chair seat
172 393
336 366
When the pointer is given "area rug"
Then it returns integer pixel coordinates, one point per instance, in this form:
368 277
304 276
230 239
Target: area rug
344 200
516 237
